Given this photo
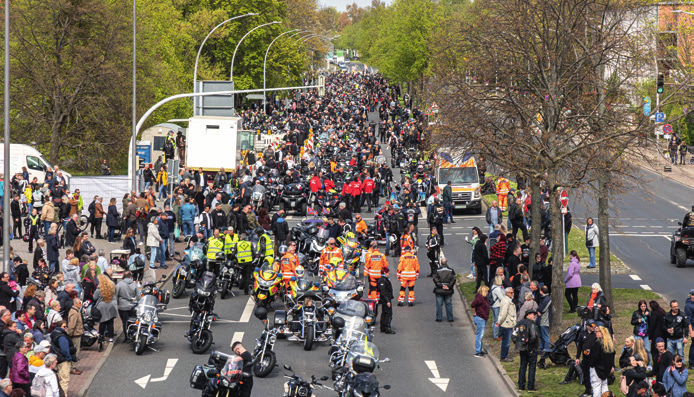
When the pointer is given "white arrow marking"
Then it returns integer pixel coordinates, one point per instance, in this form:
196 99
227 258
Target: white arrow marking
170 364
142 382
442 383
238 337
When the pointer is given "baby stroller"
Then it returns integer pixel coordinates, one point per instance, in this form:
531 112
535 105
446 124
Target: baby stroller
558 352
90 317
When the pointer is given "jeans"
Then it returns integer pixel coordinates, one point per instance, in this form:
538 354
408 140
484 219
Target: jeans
495 318
447 212
505 341
162 251
647 346
544 340
46 227
111 232
480 323
591 254
152 256
163 190
387 241
53 265
528 361
171 241
675 346
491 229
188 228
440 300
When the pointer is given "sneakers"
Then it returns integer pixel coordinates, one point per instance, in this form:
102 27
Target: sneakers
564 382
470 276
479 355
506 360
164 266
140 243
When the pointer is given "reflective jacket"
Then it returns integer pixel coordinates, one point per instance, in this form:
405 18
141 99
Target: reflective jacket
406 241
408 268
289 263
230 242
244 251
214 247
265 246
374 263
327 255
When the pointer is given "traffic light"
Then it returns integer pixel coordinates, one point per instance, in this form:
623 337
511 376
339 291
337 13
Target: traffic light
661 83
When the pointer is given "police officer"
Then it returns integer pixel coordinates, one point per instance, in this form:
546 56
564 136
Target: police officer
244 256
385 291
230 241
215 246
265 247
433 250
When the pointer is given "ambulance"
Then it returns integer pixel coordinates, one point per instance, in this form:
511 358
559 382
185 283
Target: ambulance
459 167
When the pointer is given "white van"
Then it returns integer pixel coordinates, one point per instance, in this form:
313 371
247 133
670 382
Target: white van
32 159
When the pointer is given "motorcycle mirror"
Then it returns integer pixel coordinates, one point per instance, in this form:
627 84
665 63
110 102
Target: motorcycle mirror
385 360
679 223
287 367
387 387
326 378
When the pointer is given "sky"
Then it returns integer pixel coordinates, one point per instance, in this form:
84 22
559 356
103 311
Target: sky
341 5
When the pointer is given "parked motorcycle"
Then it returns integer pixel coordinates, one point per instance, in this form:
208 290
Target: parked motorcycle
266 284
201 305
264 352
90 318
227 277
189 269
298 387
295 197
220 377
342 286
307 320
144 328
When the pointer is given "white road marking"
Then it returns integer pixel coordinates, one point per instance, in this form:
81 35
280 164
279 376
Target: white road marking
142 382
668 238
635 277
238 337
637 235
637 226
170 364
675 204
442 383
646 287
432 367
247 311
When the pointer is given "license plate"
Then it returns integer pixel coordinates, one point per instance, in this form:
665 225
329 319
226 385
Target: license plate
293 203
460 206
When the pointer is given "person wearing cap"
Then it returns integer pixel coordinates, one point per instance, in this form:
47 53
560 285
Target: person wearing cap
662 360
579 369
688 217
528 349
689 313
36 359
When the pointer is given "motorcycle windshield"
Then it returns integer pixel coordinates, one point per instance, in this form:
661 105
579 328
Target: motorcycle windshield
148 304
355 328
352 308
233 369
322 234
267 272
365 348
348 283
347 251
206 282
305 282
195 252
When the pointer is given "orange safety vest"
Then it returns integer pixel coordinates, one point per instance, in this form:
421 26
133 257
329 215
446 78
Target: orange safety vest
408 268
503 186
374 263
327 255
406 240
289 263
361 227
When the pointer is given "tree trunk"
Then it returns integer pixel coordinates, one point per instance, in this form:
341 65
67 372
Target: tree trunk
536 222
604 235
557 253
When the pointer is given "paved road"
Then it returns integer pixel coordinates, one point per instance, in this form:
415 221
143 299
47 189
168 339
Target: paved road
418 339
646 219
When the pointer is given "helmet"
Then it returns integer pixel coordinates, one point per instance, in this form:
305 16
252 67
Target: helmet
258 230
349 235
299 271
420 168
283 249
335 262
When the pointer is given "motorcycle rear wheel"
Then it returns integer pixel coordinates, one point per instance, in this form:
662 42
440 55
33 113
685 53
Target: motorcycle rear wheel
202 342
225 289
263 367
178 288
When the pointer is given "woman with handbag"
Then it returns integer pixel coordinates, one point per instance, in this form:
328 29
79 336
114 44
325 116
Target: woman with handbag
592 241
631 376
675 377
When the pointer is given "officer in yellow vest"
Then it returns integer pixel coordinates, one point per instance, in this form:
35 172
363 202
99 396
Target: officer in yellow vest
244 256
265 247
215 246
230 241
33 228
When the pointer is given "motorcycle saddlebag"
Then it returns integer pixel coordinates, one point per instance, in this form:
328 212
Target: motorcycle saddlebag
198 378
362 364
280 318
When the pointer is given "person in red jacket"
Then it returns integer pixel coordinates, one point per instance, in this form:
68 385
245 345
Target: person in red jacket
315 185
356 195
329 184
347 193
368 190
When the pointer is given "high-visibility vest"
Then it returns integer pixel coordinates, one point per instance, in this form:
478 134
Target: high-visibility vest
327 255
244 251
406 240
503 186
230 243
408 268
269 249
214 247
289 263
374 263
361 227
34 219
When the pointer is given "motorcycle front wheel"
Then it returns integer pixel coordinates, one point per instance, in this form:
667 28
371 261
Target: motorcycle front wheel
141 345
263 367
225 289
308 340
201 342
178 288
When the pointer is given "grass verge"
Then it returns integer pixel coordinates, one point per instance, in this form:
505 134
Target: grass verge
547 380
577 241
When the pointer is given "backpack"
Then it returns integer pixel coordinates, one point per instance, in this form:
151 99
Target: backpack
438 214
137 264
38 386
490 296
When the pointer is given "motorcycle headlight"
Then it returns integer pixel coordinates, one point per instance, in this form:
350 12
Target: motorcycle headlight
302 391
147 317
225 383
203 293
225 270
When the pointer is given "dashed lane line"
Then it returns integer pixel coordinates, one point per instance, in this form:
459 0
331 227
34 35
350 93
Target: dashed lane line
646 287
635 277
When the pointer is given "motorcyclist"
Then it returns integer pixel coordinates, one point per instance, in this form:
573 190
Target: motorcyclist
290 261
433 250
215 246
412 213
265 249
244 256
420 174
689 217
329 252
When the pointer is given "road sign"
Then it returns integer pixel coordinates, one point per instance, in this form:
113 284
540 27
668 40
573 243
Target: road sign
647 99
646 107
667 129
660 117
564 198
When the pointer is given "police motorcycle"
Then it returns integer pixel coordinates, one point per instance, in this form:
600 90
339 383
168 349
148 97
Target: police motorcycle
264 354
296 386
189 269
220 377
267 282
341 286
200 306
301 284
230 273
143 328
351 251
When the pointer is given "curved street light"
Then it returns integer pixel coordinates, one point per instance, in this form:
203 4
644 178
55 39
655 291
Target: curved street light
197 58
265 64
233 57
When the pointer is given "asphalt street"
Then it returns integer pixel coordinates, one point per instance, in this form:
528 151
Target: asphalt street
421 350
645 220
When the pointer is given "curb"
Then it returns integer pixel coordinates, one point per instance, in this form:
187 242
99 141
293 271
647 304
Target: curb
508 382
85 389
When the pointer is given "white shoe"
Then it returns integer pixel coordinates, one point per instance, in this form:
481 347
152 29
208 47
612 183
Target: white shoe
140 243
470 276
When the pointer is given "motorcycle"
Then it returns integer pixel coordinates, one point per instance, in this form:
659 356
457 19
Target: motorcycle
264 353
351 253
258 200
230 273
201 305
316 246
342 286
90 318
266 284
298 387
220 377
144 328
307 321
299 286
189 269
295 197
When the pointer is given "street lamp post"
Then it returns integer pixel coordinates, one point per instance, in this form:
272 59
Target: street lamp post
6 198
197 58
265 67
133 142
233 57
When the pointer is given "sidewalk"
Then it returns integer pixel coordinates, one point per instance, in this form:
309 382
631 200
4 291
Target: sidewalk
89 357
655 162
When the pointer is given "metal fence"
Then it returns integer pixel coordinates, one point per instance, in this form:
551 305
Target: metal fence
103 186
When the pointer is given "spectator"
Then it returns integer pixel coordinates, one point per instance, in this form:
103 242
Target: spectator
528 304
544 312
507 320
662 359
675 377
493 216
596 301
127 294
153 241
53 315
107 305
62 346
20 369
573 281
601 361
46 376
481 306
481 259
689 313
51 290
639 319
527 343
444 281
7 294
495 297
592 240
675 324
75 330
632 375
10 337
5 388
655 324
89 286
